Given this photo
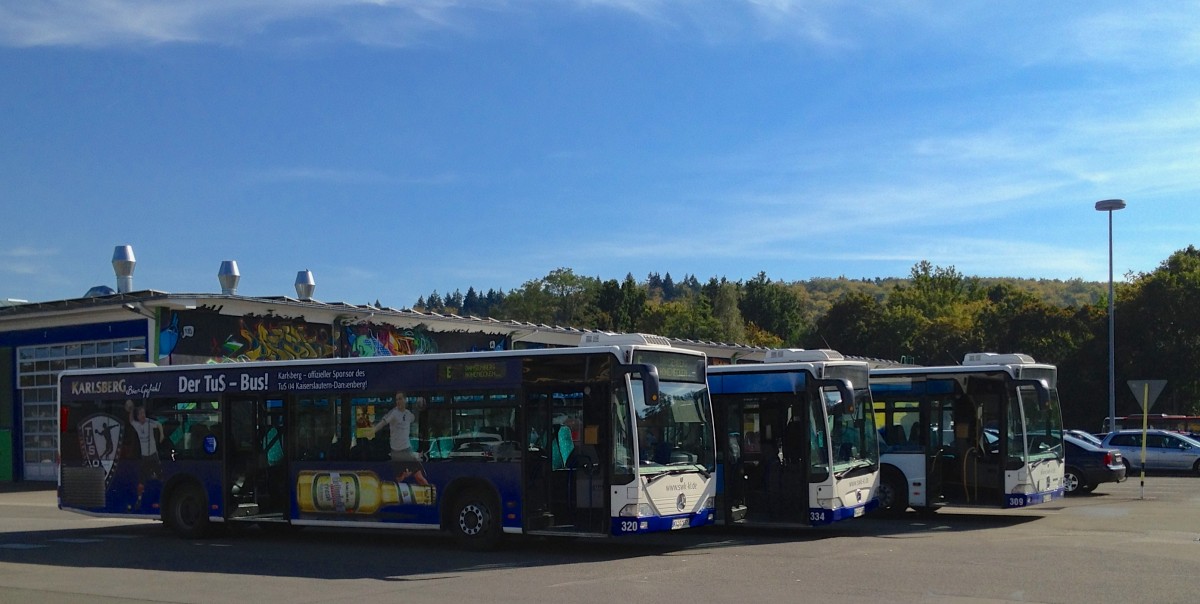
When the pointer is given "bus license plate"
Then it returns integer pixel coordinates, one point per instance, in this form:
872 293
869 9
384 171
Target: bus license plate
679 523
859 512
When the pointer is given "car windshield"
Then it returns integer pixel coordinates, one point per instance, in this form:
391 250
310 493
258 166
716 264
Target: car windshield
1189 440
1084 436
1080 442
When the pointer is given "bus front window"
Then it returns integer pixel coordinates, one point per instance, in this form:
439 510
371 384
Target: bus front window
1043 423
852 434
675 431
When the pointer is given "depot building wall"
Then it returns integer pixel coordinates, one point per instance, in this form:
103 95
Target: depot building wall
35 349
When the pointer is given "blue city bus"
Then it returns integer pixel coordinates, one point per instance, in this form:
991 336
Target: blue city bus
541 442
797 437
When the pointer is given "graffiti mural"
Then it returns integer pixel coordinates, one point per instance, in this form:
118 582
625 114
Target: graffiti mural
205 336
375 340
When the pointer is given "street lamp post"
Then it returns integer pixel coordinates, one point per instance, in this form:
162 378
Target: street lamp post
1111 205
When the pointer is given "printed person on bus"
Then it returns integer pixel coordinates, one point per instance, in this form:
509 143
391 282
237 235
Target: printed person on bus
399 420
149 433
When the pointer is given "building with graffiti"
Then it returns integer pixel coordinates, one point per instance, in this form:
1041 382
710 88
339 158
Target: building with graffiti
108 327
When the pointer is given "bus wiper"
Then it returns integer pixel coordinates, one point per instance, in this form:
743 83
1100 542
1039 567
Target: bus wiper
695 467
676 469
853 466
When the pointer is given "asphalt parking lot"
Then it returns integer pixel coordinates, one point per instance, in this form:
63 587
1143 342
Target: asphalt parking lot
1119 544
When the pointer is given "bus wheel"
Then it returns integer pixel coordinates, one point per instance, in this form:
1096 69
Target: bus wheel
1195 467
476 523
893 493
187 511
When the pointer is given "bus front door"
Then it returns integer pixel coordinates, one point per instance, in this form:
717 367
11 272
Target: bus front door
774 482
255 454
566 467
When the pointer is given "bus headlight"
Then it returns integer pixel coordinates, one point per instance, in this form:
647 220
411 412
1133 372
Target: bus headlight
710 503
832 503
636 510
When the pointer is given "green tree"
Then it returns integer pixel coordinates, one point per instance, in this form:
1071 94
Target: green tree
530 302
1158 331
471 304
559 298
854 325
633 304
609 305
774 307
935 315
687 319
724 296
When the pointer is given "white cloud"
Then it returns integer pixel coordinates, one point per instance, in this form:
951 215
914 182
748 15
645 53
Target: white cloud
327 175
28 252
122 22
96 23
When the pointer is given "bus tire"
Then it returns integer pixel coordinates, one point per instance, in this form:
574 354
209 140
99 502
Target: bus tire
1196 467
893 493
476 521
186 511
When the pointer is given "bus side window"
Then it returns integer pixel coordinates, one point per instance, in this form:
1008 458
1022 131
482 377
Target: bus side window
437 433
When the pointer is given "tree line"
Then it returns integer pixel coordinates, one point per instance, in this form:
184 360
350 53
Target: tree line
933 317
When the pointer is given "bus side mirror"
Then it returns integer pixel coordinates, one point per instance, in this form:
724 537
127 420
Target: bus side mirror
844 388
1041 387
648 374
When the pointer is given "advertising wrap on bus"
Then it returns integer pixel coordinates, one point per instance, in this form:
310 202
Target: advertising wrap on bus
477 444
225 379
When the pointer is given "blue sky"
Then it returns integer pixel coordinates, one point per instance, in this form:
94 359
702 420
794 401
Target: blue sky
397 147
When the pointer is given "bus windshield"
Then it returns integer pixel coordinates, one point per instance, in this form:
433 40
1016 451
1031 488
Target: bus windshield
676 431
1043 420
851 430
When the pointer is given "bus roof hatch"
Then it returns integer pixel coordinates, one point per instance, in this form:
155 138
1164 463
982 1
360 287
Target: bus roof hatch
623 339
799 355
991 358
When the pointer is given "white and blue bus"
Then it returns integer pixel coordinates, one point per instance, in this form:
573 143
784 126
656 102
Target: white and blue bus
797 438
540 442
985 433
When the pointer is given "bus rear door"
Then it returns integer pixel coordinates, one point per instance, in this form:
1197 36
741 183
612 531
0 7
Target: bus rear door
257 484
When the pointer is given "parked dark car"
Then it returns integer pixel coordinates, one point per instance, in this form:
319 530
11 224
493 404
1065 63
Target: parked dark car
1089 465
1088 436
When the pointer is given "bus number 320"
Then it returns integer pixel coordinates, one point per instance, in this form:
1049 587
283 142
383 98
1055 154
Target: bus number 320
629 526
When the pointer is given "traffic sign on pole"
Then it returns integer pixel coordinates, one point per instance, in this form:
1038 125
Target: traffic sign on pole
1147 391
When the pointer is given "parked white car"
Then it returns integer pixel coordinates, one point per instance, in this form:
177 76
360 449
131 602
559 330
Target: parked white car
1165 450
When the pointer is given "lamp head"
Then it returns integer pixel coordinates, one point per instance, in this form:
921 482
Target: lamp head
1109 205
